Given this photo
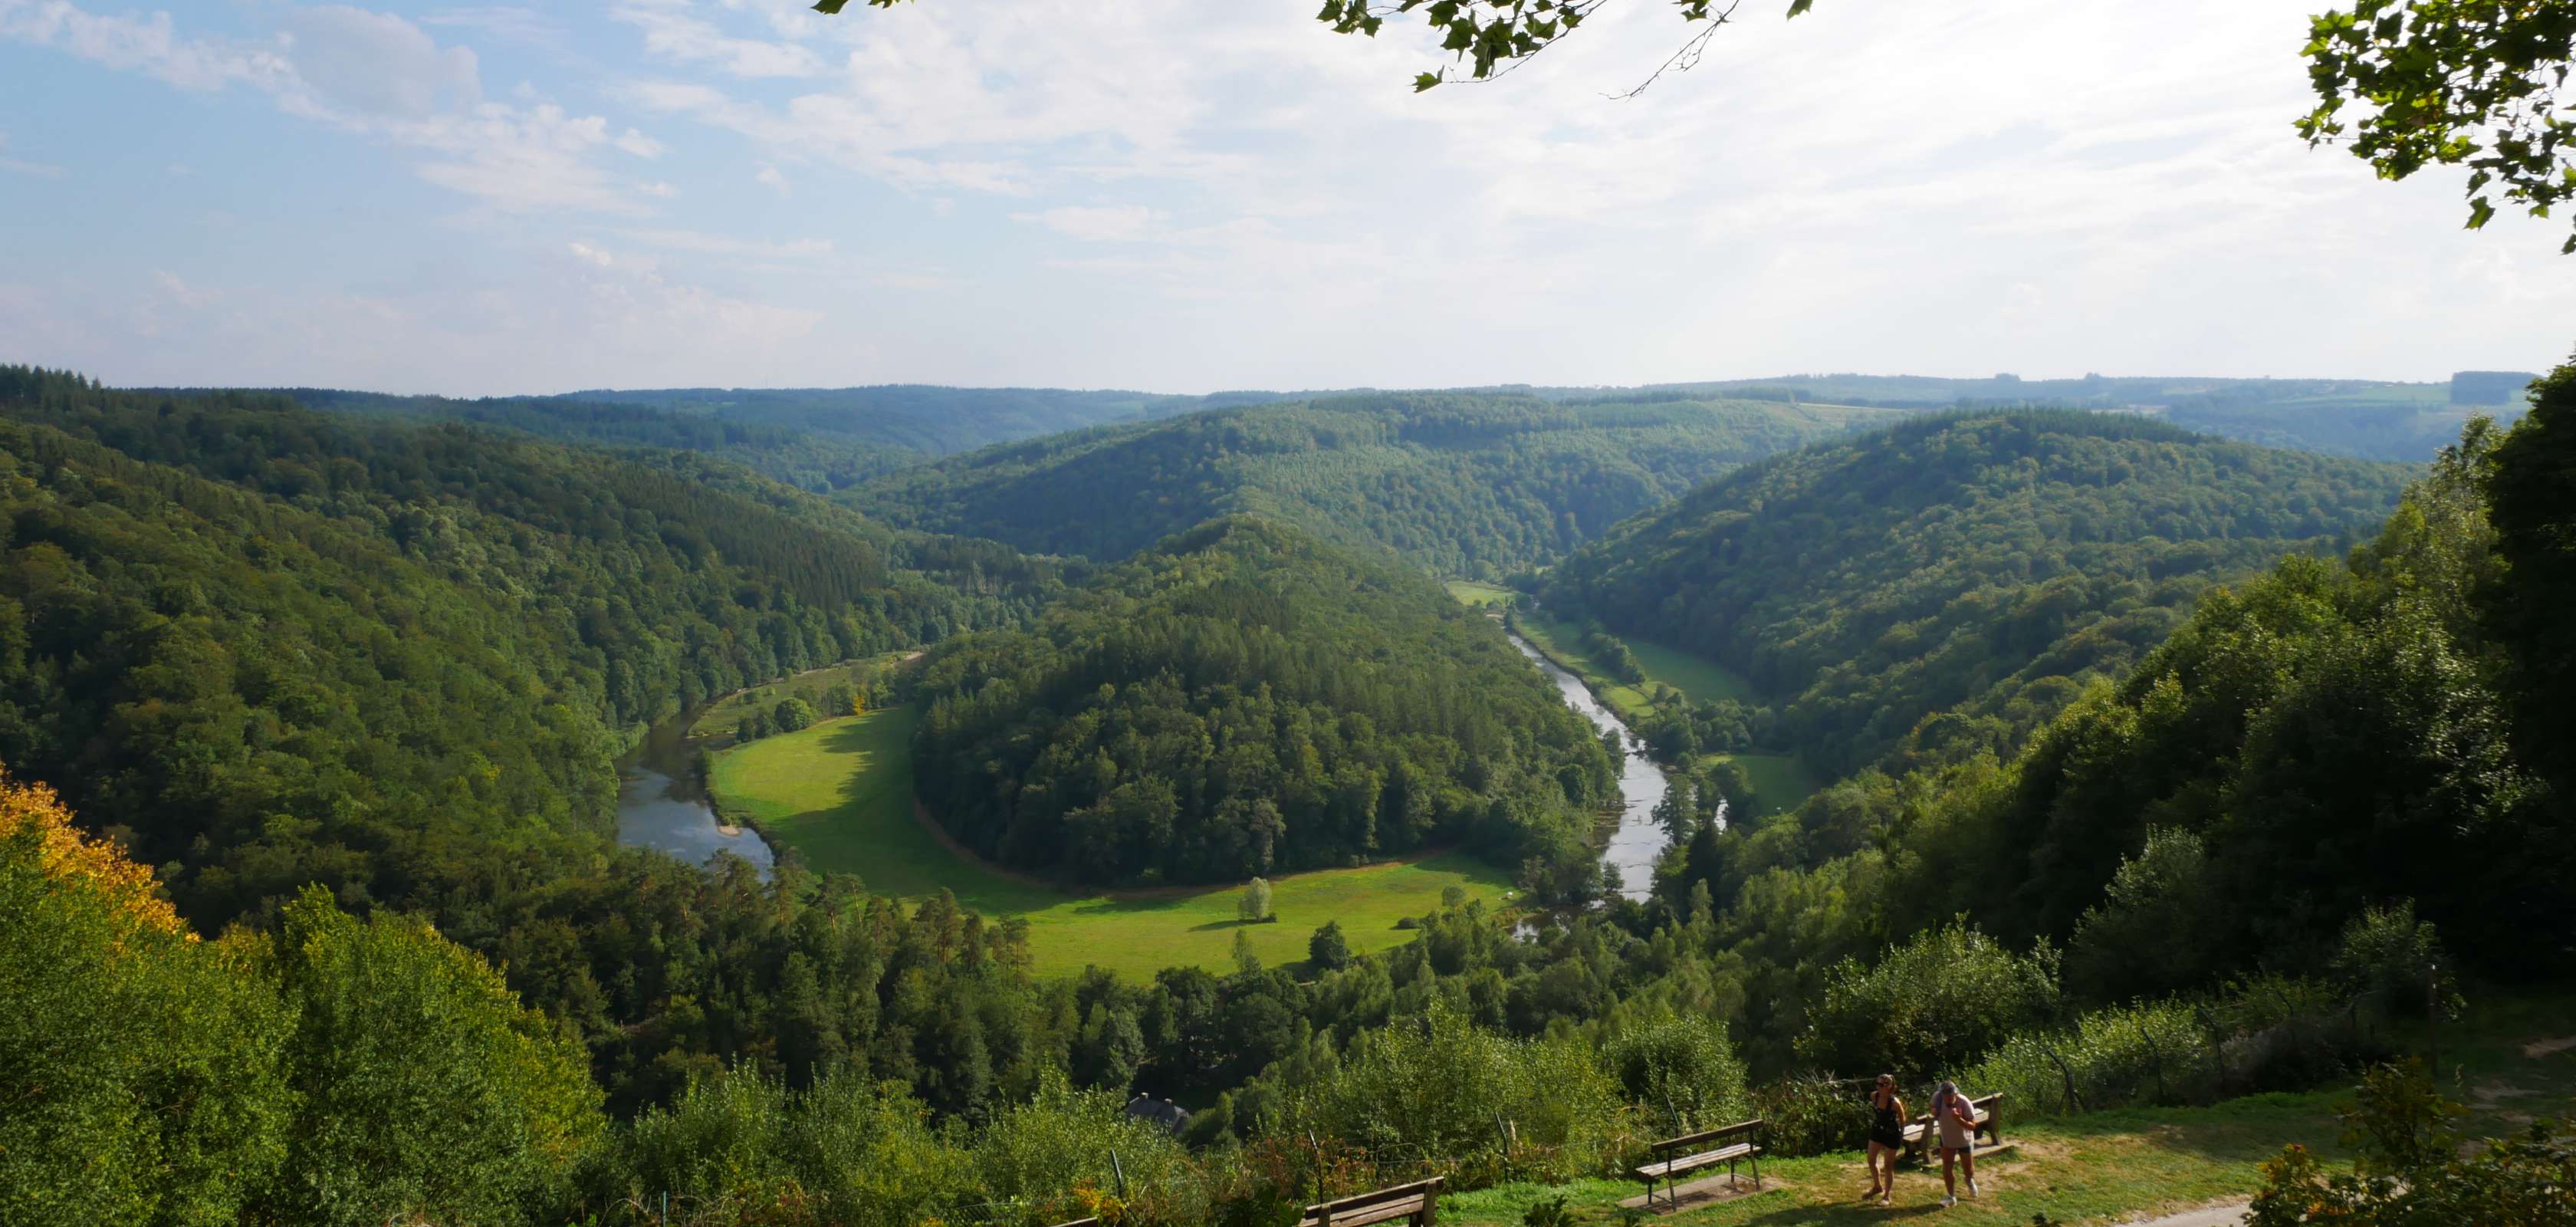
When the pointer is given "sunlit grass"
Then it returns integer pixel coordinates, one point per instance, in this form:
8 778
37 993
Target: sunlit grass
840 793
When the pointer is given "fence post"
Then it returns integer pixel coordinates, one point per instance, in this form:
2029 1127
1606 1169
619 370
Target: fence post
2433 1018
1318 1148
1119 1173
1504 1132
2073 1104
665 1220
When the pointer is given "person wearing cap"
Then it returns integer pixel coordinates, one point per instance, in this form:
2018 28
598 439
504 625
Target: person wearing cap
1957 1124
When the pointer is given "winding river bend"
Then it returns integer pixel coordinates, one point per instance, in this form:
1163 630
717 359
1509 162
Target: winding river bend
660 805
1638 839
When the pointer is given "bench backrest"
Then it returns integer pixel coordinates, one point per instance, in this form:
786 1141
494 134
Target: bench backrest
1709 1136
1357 1204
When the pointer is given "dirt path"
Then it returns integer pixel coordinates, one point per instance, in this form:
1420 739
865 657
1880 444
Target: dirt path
2210 1216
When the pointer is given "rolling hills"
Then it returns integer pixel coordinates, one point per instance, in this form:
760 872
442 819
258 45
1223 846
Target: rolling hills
1463 485
1978 564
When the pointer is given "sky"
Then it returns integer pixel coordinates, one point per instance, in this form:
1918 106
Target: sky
1196 195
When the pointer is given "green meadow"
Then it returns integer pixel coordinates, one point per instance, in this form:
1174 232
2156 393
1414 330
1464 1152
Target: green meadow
840 793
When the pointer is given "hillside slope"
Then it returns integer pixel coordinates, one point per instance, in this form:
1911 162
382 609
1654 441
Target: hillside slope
1244 699
1982 563
276 648
1465 485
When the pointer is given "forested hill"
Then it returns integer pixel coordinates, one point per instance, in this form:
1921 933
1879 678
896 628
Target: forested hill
1244 699
274 647
1461 485
817 439
2365 418
1983 565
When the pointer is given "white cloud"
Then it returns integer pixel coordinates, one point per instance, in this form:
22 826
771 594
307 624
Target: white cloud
770 178
728 245
590 254
367 73
1100 224
379 64
181 292
659 191
673 32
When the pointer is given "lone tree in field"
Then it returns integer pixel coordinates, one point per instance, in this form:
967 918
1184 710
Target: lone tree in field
1328 950
1255 907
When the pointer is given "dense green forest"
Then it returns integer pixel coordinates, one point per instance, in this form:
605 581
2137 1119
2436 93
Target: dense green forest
1243 699
818 439
1945 585
2189 885
1462 485
270 647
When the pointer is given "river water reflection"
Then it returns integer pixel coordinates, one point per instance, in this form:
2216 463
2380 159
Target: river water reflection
1638 839
659 804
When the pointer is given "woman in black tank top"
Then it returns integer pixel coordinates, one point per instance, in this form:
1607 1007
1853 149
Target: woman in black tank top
1886 1138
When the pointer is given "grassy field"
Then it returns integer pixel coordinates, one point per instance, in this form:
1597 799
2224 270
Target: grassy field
1782 781
840 793
718 721
1471 592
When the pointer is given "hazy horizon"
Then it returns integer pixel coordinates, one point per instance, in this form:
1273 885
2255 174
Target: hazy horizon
1166 195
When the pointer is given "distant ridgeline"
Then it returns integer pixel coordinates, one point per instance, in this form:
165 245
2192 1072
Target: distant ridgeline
274 647
1243 699
1459 484
1980 565
2344 417
818 439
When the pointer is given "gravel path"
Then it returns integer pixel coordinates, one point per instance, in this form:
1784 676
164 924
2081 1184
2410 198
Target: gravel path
2214 1216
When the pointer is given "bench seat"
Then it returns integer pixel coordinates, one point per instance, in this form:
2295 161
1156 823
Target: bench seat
1729 1146
1919 1132
1417 1202
1691 1163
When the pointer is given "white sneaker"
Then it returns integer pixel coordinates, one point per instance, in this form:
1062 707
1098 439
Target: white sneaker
1972 1190
1948 1202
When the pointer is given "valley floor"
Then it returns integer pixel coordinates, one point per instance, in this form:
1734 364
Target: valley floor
1781 780
840 793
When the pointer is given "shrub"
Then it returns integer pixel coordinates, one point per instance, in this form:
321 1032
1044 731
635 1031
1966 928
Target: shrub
792 713
1811 1116
1935 1003
2119 1057
2410 1168
1682 1071
1328 950
1255 906
1430 1090
2389 962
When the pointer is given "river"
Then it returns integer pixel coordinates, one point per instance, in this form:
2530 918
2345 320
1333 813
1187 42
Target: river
660 804
1638 839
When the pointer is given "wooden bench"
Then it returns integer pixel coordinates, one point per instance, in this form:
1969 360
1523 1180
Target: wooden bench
1416 1203
1693 1151
1920 1135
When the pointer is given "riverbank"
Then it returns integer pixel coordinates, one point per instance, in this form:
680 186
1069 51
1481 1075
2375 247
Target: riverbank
1779 781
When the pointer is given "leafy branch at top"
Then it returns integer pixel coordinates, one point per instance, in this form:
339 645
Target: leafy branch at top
2456 82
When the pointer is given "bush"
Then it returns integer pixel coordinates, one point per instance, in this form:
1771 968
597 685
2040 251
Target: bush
1428 1091
2411 1168
2126 1056
1933 1004
1811 1116
2389 962
1683 1072
1255 907
792 713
